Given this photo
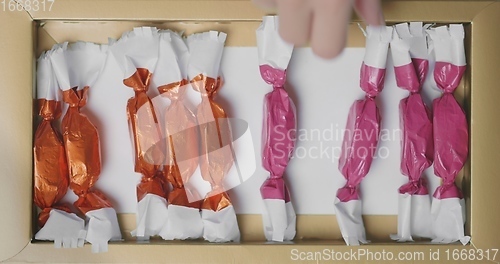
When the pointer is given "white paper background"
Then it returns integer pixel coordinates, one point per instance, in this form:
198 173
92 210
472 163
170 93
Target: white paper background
322 90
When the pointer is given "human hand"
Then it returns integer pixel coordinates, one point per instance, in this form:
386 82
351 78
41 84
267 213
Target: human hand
321 23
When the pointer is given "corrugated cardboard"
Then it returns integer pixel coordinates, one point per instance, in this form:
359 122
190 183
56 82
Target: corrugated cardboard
26 34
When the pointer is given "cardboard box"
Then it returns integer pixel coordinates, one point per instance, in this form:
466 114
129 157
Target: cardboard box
24 38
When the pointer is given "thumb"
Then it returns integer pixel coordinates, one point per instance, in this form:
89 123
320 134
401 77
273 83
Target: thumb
370 11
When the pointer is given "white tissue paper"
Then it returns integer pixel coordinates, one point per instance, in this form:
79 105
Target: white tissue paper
350 221
172 59
449 44
205 56
139 49
448 218
279 218
220 226
414 219
102 226
272 49
151 216
183 222
448 215
349 214
377 46
136 49
205 53
46 84
79 65
65 229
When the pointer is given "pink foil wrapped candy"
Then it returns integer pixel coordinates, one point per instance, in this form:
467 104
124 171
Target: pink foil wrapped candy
451 137
409 53
361 136
278 132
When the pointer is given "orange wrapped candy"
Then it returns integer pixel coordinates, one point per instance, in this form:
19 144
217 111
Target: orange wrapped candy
145 131
83 152
217 156
51 169
56 221
77 67
136 52
182 140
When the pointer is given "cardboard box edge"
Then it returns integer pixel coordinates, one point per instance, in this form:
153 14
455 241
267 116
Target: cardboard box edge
16 111
477 19
484 152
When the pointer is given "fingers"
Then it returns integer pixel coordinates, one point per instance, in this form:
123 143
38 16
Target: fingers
330 24
370 11
323 22
295 20
266 4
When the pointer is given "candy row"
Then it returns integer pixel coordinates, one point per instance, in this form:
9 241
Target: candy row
167 152
440 137
145 55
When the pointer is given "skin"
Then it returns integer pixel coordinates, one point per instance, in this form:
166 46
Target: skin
321 23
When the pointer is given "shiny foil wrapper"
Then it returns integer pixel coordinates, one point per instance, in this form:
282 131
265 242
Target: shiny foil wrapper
50 167
182 146
216 142
451 135
416 144
81 142
364 118
279 120
361 134
416 125
146 135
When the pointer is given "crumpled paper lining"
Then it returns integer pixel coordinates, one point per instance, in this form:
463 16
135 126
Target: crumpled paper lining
66 229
